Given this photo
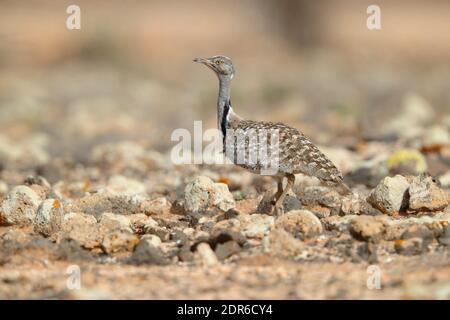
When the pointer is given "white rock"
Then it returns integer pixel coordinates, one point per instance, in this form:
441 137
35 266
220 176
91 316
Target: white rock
207 255
256 225
389 195
202 195
20 206
154 240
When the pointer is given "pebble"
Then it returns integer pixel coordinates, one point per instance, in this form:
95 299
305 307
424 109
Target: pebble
390 195
20 206
140 221
206 254
156 206
119 241
83 229
319 195
112 221
425 195
147 252
367 228
256 225
337 223
152 239
227 249
48 219
162 232
301 224
202 195
354 205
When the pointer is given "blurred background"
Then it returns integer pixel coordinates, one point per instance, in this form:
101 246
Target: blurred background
128 73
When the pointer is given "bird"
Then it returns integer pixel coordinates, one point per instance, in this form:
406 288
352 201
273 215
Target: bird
294 152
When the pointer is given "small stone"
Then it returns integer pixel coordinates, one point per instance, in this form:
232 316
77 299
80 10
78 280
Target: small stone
301 224
354 205
83 229
202 195
147 252
185 254
113 221
425 195
48 219
409 247
367 228
206 254
152 239
227 249
340 224
256 225
179 238
139 222
119 241
162 232
20 206
390 195
157 206
319 195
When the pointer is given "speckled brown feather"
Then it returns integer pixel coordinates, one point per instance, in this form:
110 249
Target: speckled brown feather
297 154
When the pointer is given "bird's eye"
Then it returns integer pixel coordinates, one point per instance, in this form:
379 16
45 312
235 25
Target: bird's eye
218 62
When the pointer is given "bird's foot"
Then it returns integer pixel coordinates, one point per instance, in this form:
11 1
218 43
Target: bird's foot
278 210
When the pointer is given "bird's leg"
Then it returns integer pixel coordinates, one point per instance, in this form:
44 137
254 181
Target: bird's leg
278 209
279 191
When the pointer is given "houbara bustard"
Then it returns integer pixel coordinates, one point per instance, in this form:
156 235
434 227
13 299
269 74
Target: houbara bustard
295 152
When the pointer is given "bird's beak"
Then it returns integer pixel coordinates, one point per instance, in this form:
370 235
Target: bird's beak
200 60
206 62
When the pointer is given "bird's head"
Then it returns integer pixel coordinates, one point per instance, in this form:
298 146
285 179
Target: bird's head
221 65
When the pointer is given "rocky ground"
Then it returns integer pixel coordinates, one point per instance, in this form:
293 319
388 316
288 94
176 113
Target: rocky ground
136 226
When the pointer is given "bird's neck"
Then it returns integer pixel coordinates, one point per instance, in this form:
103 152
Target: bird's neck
223 104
